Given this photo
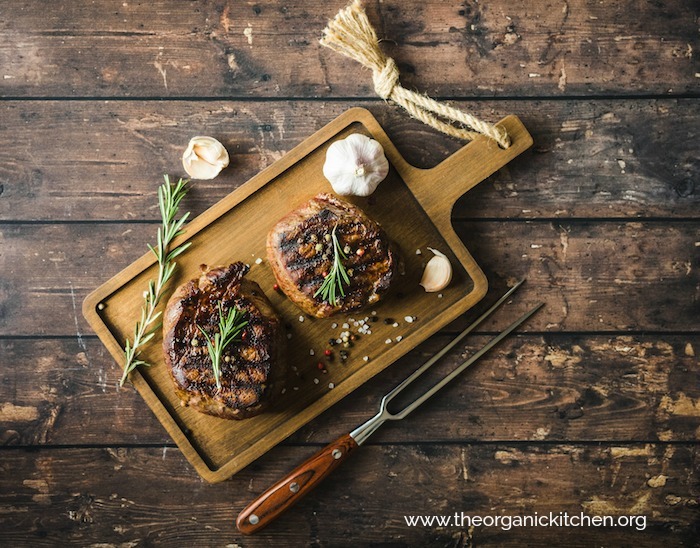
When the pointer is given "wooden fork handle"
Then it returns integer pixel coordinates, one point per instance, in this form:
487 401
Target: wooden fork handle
287 492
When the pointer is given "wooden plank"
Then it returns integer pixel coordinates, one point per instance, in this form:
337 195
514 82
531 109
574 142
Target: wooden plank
594 276
591 159
85 496
555 387
231 49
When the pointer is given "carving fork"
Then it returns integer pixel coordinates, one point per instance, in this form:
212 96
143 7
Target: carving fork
307 475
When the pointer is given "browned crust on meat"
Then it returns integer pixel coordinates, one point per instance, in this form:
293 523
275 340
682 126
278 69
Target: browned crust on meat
300 269
256 369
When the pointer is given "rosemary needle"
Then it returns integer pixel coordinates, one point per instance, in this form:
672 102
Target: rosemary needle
333 282
230 327
169 198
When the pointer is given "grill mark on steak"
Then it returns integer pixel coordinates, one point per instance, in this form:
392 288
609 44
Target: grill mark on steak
300 269
255 369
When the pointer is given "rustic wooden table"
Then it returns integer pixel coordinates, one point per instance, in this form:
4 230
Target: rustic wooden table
594 407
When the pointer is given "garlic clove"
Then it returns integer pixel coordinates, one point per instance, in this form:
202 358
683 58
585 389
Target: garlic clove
204 158
438 272
355 165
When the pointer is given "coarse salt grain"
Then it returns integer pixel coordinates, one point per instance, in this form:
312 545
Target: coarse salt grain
311 352
346 326
439 295
289 335
399 338
395 324
331 385
365 358
334 325
316 381
418 252
388 341
283 391
296 388
301 318
258 260
374 312
408 319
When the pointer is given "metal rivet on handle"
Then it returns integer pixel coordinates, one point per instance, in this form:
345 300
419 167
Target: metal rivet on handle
253 519
337 453
294 487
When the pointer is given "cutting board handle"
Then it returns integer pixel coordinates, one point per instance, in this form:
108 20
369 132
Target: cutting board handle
438 188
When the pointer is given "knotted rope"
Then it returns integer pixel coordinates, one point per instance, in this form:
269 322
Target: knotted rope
352 35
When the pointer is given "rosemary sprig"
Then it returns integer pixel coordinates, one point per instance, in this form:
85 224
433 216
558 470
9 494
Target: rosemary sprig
169 198
230 327
333 282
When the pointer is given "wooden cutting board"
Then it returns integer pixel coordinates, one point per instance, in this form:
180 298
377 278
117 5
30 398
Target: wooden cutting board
413 206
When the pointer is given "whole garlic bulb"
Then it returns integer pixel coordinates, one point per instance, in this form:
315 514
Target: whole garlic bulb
204 158
355 165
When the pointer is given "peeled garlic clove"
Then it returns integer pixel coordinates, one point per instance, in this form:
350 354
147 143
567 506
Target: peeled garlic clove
438 272
204 158
355 165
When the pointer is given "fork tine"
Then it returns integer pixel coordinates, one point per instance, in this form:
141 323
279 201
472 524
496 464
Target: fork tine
423 368
488 346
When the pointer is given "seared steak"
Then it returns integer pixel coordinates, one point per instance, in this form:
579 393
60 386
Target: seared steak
253 366
300 250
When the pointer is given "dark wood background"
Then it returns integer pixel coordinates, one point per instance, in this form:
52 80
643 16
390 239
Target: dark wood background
594 407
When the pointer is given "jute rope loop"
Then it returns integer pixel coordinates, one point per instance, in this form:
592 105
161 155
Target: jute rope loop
352 35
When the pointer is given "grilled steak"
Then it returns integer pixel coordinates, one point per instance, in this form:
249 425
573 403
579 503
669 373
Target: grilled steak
252 366
300 250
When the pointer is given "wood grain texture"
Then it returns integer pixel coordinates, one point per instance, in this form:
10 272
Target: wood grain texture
594 409
594 276
148 495
603 159
553 387
225 49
